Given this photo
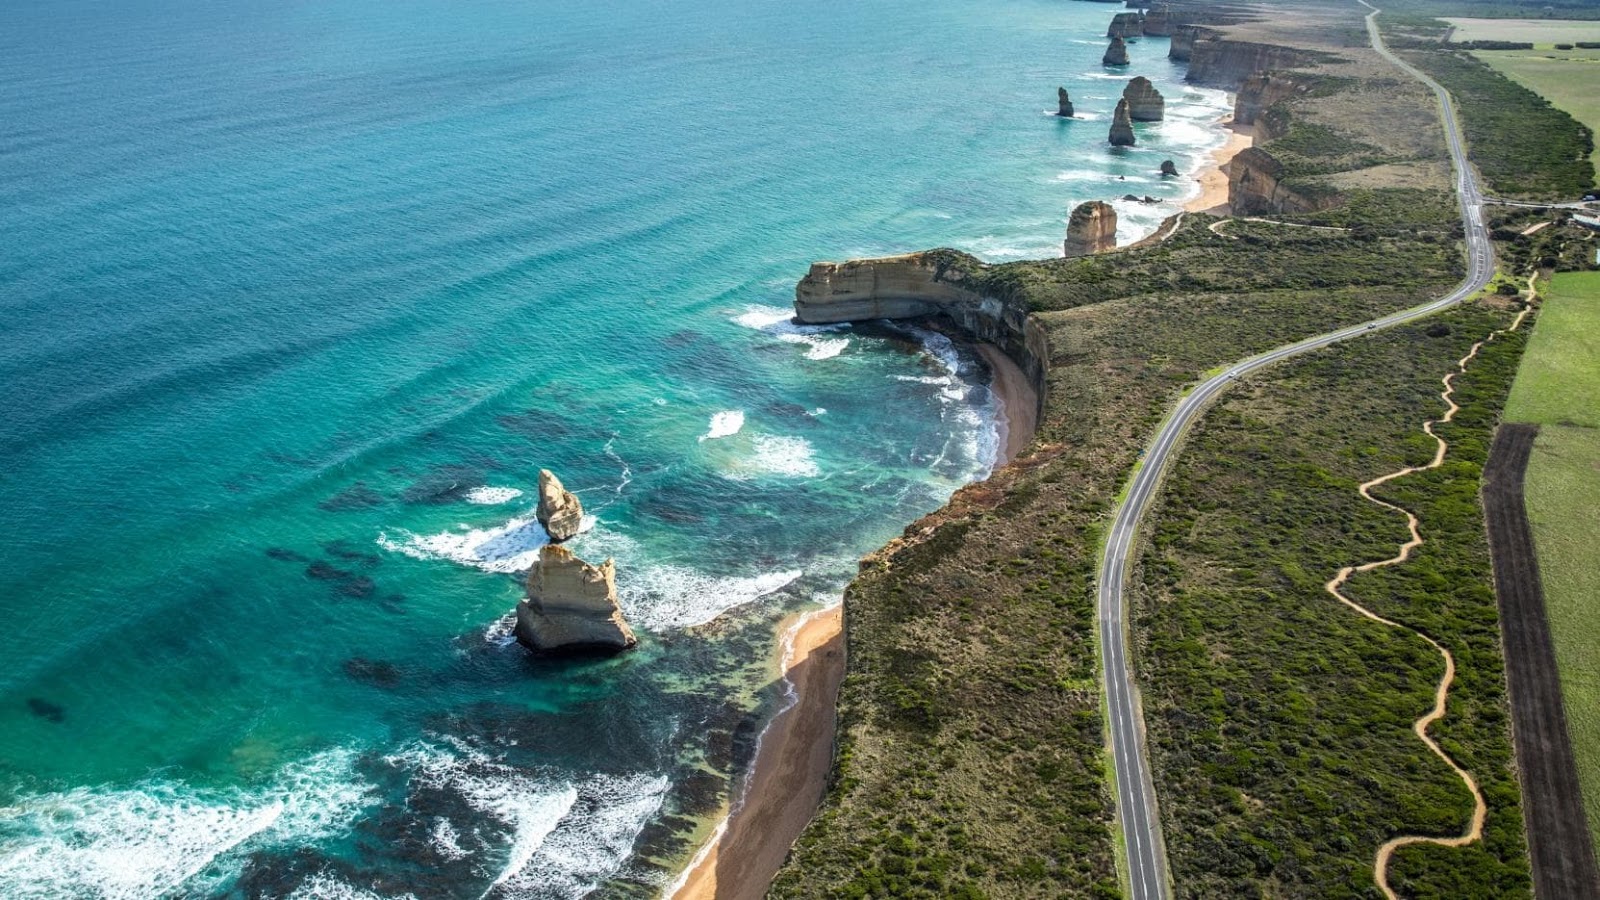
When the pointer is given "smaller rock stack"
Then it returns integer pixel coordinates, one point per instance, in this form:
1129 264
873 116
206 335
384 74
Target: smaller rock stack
559 511
1064 108
572 606
1092 228
1145 103
1169 169
1116 54
1122 126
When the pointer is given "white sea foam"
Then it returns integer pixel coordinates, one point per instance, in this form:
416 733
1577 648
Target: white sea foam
665 597
491 496
564 835
724 424
322 886
779 323
511 547
774 455
149 839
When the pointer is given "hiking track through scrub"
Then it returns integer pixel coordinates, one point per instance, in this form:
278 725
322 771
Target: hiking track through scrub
1441 695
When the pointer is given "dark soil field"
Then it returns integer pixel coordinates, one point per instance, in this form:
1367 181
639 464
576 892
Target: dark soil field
1558 834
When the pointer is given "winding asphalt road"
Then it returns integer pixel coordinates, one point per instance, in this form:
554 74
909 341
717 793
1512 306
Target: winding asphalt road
1136 800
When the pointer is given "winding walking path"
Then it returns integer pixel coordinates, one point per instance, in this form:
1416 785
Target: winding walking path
1441 694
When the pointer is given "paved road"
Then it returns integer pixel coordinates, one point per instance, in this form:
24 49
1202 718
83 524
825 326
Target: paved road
1136 804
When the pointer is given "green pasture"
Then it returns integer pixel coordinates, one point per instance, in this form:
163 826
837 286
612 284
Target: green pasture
1568 78
1558 387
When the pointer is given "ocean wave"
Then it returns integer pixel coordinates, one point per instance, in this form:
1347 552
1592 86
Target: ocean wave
774 455
492 496
563 835
724 424
779 323
325 887
511 547
151 838
662 598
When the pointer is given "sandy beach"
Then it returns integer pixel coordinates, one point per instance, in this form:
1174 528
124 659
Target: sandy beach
790 772
788 777
1213 196
1019 406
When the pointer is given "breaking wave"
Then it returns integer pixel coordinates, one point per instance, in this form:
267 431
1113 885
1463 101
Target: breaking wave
151 838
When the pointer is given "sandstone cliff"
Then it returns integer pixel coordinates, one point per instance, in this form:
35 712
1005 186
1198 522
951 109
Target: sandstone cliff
1255 187
933 283
1126 25
1262 90
1219 62
1116 54
1092 228
1183 38
571 606
559 511
1145 103
1158 21
1121 126
1063 103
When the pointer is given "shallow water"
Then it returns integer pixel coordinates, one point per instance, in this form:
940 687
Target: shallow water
296 299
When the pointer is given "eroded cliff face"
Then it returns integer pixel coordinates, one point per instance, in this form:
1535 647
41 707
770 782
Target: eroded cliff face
1126 25
1092 228
1255 187
933 283
1219 62
1158 21
1260 92
1183 38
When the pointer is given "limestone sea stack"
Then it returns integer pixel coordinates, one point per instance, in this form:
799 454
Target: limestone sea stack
1122 126
1064 103
1169 168
572 606
1145 103
1126 25
1092 228
1117 53
559 511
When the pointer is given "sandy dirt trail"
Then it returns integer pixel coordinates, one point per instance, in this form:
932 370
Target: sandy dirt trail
1441 695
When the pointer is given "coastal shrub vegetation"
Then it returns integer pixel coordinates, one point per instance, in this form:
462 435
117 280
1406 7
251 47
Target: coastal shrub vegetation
1524 146
1280 720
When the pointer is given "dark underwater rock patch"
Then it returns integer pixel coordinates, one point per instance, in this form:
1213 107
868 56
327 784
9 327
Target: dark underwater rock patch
357 496
44 709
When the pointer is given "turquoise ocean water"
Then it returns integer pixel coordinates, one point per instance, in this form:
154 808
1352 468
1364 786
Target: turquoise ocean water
296 299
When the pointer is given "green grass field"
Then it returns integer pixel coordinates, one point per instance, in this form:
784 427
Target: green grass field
1534 31
1568 78
1558 387
1559 382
